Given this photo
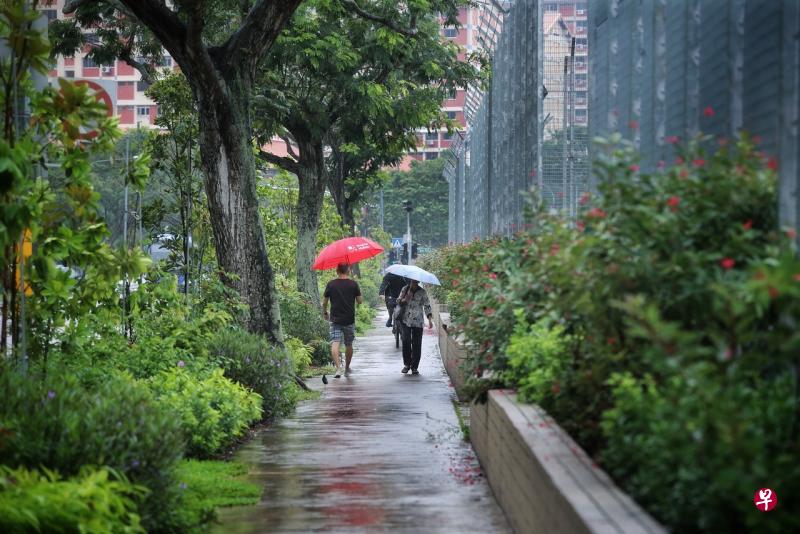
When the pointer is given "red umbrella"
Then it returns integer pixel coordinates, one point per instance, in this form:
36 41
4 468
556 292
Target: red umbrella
349 250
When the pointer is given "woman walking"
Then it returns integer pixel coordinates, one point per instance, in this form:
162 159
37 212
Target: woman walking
415 307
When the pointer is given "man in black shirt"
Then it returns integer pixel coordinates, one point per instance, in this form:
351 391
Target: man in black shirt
343 293
390 287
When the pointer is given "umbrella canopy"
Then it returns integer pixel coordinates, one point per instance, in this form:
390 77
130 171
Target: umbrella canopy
412 272
349 250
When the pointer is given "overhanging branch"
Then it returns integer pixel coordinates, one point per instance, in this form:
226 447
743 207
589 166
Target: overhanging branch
287 164
355 8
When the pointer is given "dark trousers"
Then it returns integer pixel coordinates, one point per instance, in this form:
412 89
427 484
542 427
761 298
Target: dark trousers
412 344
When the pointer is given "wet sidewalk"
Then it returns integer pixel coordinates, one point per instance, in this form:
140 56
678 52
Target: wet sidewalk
378 452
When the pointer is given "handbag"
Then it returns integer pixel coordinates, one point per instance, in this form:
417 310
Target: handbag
400 307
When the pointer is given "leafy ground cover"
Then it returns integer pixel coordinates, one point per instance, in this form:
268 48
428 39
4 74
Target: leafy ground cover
659 329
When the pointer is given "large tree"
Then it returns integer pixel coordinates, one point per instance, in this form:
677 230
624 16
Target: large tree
219 46
339 87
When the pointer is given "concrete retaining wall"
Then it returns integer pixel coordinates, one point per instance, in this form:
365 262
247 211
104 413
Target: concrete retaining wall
543 481
453 354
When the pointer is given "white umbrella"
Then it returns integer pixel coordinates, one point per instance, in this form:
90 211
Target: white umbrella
412 272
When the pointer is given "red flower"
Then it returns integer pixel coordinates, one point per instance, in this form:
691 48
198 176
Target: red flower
489 311
468 303
584 199
727 263
661 164
792 233
773 292
684 173
487 286
455 283
457 271
596 213
485 268
611 341
723 141
493 276
674 202
797 277
634 125
699 162
708 112
580 226
772 164
679 160
554 249
757 139
673 139
634 168
748 224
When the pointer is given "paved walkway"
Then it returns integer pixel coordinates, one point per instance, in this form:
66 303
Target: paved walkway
378 452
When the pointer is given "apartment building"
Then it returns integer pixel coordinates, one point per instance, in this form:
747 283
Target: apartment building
575 16
122 82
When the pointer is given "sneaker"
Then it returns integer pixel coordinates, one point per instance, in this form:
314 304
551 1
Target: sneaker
405 370
414 372
347 371
388 323
337 373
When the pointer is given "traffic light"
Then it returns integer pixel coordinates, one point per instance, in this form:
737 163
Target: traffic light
404 257
414 250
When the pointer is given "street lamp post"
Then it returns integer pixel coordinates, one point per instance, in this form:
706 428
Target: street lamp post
409 207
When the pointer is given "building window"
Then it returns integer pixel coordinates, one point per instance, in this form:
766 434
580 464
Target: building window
451 115
551 6
165 61
143 111
431 155
51 14
447 136
582 24
88 62
432 136
450 33
142 86
91 38
69 74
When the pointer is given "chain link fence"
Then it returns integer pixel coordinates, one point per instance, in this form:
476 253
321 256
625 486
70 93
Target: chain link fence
656 69
527 130
663 68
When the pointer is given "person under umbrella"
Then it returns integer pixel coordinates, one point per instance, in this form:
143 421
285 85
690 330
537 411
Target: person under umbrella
416 306
391 287
343 293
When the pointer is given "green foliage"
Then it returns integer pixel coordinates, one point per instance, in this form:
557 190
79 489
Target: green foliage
54 422
537 358
668 312
95 500
364 316
426 187
213 411
253 362
207 485
300 353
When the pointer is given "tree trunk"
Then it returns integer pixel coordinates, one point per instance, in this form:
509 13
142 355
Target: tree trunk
312 180
230 183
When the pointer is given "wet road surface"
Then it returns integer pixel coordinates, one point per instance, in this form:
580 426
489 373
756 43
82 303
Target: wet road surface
378 452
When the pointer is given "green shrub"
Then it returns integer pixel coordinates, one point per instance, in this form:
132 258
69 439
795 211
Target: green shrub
300 317
674 300
253 362
364 316
300 353
53 422
95 500
212 410
537 359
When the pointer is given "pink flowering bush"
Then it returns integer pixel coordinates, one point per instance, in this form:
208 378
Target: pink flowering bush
674 301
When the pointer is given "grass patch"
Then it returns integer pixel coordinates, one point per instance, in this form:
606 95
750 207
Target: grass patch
308 395
463 424
316 370
209 484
